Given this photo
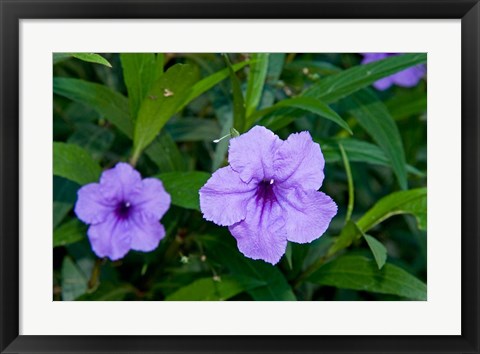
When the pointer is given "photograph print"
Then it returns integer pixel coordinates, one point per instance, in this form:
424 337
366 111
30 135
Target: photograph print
239 176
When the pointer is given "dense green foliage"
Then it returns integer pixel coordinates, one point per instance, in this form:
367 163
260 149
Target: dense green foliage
161 113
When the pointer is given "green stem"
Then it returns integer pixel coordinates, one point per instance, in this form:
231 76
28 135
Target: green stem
94 278
310 270
135 157
351 194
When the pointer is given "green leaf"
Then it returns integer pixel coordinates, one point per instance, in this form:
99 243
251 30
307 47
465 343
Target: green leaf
378 250
340 85
110 104
88 57
256 81
373 116
165 154
59 57
74 163
275 67
313 67
223 250
408 103
74 281
70 232
162 101
64 195
193 129
92 58
413 201
337 86
360 273
95 139
108 292
348 234
359 151
209 289
139 72
238 100
210 81
224 114
160 63
304 104
183 187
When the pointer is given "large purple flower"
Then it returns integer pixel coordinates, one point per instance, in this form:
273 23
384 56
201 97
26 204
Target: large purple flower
123 212
405 78
268 194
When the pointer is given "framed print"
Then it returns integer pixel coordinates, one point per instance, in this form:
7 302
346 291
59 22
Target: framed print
237 177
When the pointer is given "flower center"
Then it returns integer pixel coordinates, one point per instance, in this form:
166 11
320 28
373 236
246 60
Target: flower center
123 209
265 190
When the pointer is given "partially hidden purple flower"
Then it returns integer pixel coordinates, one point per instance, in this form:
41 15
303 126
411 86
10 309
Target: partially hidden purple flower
405 78
123 212
268 194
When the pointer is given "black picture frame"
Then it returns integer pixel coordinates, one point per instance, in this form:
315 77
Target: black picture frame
12 11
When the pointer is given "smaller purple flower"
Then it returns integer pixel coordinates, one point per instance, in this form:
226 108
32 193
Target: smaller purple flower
123 212
405 78
268 195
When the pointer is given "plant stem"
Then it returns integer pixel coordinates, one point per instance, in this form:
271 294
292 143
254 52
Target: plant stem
134 158
93 281
310 270
351 194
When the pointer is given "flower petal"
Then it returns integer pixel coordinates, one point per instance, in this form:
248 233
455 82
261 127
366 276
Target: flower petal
384 83
91 207
110 238
152 199
299 162
251 154
371 57
262 235
307 214
409 77
146 232
121 182
224 198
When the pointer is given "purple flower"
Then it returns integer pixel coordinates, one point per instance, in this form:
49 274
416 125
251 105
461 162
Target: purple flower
405 78
268 194
123 212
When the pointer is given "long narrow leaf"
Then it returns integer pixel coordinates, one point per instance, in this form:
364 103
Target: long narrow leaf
340 85
92 58
210 81
359 151
139 73
374 117
74 163
238 100
256 81
337 86
413 202
360 273
161 103
110 104
88 57
305 104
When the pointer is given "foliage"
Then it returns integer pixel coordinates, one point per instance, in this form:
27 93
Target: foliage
162 112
